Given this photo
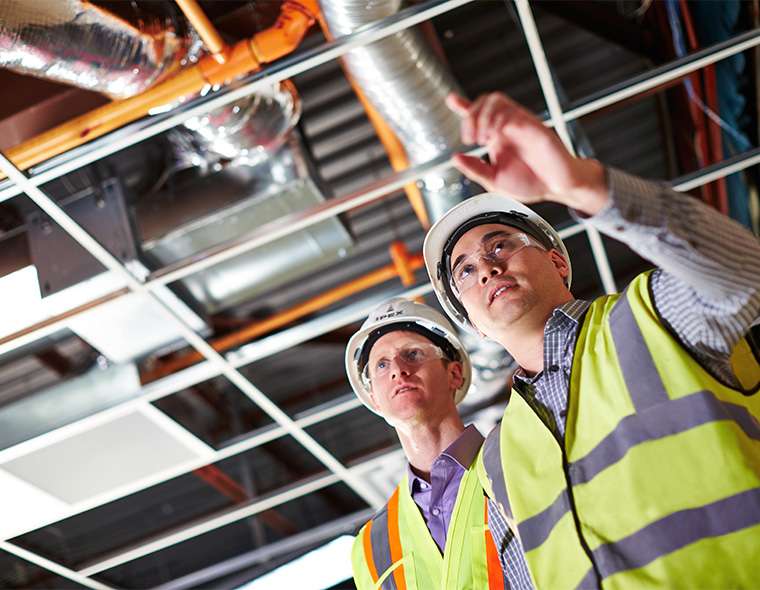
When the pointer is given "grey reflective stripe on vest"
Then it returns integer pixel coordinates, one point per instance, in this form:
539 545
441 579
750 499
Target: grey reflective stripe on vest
589 581
678 530
678 415
381 547
536 529
639 371
494 469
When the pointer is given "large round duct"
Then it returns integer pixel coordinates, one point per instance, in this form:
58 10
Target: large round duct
407 84
76 42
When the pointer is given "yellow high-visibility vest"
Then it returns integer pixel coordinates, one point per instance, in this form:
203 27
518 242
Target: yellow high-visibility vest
395 550
657 483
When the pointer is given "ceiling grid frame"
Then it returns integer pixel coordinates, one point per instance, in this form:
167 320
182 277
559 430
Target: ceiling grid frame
288 68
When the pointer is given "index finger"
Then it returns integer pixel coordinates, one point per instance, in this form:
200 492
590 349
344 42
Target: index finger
458 104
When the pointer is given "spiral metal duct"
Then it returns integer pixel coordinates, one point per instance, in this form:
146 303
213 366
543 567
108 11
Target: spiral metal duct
78 43
407 84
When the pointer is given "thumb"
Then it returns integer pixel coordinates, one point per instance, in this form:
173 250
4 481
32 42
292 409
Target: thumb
458 104
476 169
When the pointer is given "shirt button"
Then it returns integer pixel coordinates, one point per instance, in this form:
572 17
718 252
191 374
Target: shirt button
620 228
554 368
436 511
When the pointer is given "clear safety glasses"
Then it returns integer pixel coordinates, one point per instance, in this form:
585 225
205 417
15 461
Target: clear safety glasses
499 248
411 357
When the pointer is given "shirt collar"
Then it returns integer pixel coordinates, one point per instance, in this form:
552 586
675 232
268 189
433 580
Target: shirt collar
462 451
572 310
567 314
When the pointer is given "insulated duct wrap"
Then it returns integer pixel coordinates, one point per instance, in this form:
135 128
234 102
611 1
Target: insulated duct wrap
78 43
407 84
245 132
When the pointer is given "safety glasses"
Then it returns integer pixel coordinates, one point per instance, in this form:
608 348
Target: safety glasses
497 249
411 357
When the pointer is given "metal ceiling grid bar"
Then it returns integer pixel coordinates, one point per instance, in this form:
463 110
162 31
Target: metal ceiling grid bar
720 170
281 70
209 524
228 517
663 74
556 116
301 220
52 566
322 533
205 349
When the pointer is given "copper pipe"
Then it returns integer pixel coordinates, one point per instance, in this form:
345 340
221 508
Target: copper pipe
283 318
202 25
296 17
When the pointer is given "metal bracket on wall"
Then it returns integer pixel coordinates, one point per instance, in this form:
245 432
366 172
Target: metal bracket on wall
61 262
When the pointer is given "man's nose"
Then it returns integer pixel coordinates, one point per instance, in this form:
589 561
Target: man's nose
399 368
489 268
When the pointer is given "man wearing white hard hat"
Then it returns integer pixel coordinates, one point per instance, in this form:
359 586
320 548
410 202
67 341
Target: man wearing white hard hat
407 365
629 452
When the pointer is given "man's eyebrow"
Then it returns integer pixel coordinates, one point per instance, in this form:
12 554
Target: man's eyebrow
459 259
495 234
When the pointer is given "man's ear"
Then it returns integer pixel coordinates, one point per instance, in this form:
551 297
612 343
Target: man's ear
559 263
456 378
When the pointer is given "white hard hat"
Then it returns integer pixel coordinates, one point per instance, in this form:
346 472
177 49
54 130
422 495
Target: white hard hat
401 314
479 210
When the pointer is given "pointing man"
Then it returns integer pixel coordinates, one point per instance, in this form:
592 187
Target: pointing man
629 452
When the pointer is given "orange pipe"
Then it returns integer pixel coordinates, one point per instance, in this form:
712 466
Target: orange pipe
396 152
259 328
244 57
202 25
400 258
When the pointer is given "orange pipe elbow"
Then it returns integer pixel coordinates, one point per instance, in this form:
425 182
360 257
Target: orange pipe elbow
287 32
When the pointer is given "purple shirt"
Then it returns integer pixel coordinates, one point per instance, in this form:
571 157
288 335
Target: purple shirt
436 499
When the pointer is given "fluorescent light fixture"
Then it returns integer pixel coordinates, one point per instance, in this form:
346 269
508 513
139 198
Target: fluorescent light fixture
319 569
